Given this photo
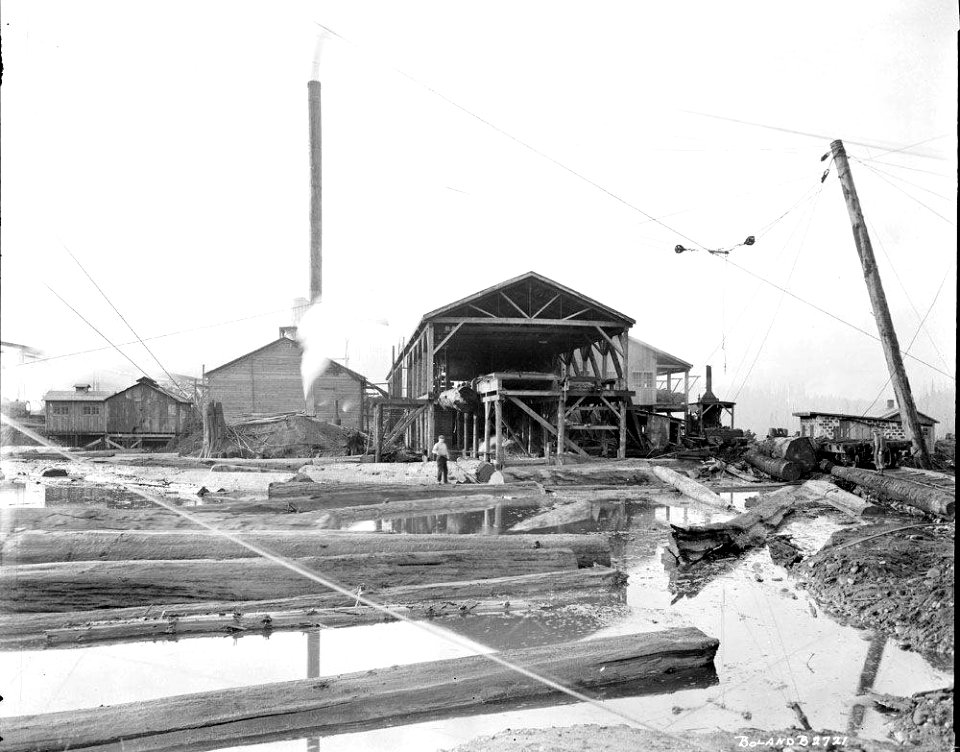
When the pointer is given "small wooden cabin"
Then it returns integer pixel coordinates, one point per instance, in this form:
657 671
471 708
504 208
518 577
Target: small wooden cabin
267 380
147 408
81 412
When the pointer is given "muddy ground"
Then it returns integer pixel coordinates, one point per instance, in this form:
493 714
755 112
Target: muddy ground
898 581
597 738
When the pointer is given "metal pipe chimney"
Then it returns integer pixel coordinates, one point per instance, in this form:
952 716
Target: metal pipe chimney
316 186
708 395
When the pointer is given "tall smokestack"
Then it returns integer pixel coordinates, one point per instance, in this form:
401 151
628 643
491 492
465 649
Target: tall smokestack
316 186
708 395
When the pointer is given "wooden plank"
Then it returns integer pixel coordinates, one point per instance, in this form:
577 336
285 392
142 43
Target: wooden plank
379 697
545 306
477 308
543 323
610 341
404 424
510 301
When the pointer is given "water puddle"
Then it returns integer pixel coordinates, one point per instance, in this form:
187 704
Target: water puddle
775 645
34 494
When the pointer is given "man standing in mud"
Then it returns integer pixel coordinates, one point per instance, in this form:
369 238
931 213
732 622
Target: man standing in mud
879 451
442 454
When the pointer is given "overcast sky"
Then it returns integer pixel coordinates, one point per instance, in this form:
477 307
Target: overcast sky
166 146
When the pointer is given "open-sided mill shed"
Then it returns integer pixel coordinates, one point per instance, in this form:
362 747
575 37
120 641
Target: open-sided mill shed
548 365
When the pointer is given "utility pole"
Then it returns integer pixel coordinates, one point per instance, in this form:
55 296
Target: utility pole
878 301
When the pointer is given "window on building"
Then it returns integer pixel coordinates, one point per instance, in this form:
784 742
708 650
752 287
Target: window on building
642 379
91 409
60 409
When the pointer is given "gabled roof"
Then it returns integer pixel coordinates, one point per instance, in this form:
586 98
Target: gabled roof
333 363
450 307
894 414
665 357
75 396
147 381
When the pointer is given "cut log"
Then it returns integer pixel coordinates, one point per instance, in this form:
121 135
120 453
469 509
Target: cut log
799 449
463 399
558 587
88 585
727 468
381 697
785 470
44 547
689 487
693 543
606 473
300 493
935 501
215 437
847 503
566 514
419 508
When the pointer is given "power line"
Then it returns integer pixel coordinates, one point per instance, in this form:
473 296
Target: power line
922 322
167 334
911 197
124 320
904 180
834 316
773 318
97 330
808 134
893 268
522 143
909 146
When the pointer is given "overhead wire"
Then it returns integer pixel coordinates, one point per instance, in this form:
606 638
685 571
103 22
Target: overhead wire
914 339
520 141
909 146
394 613
124 319
773 318
904 180
105 337
908 195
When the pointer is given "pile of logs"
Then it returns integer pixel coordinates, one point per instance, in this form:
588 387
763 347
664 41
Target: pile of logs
786 458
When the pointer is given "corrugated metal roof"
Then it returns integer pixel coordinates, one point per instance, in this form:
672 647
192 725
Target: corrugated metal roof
75 396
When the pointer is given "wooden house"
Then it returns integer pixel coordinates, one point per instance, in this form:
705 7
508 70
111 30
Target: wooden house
548 364
75 414
147 409
268 381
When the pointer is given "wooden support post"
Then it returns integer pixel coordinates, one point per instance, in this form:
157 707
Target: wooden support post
561 423
476 437
625 347
466 435
878 301
498 417
378 432
486 431
622 448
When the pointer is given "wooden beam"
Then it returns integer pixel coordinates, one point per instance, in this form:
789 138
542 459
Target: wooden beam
478 308
574 315
609 340
527 322
373 698
498 417
510 301
446 339
404 424
545 306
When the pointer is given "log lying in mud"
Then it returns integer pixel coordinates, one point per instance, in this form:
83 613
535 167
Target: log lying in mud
422 507
785 470
381 697
566 514
848 503
622 473
688 487
552 587
353 494
77 586
693 543
932 500
799 449
43 547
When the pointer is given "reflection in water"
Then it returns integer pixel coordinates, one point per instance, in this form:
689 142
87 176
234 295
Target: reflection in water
33 494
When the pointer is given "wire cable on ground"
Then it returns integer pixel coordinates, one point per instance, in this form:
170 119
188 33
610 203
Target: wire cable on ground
521 142
124 320
298 569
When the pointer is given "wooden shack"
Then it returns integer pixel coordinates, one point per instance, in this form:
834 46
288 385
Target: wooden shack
77 414
268 381
147 409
